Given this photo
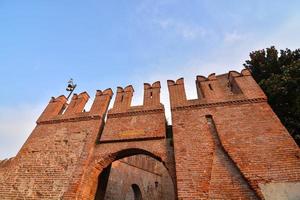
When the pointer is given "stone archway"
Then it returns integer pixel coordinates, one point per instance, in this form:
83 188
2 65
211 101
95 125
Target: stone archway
96 173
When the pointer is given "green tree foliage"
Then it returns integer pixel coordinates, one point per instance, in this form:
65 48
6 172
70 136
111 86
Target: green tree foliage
279 76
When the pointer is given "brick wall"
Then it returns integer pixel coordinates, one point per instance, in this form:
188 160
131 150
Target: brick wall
226 144
130 130
57 150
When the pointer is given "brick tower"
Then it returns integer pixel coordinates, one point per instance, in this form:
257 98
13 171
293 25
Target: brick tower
229 144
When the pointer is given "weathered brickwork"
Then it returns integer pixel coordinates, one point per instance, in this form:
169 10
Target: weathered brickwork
130 130
226 144
147 173
57 150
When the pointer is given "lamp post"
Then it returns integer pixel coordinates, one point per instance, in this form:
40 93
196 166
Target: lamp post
71 87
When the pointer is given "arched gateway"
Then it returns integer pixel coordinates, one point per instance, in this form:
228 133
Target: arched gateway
227 144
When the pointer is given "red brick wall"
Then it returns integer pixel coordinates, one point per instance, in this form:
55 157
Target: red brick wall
228 143
126 122
57 150
254 146
130 130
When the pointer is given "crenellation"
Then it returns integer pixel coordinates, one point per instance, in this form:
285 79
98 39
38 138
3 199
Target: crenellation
246 72
152 94
123 98
59 110
54 108
198 81
100 104
77 103
177 92
234 87
226 144
212 77
245 83
128 122
217 88
209 88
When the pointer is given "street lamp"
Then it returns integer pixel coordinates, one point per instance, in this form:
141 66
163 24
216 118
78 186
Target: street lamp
71 87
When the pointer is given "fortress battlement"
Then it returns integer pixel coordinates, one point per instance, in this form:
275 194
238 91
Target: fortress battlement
214 90
59 110
151 101
225 144
231 87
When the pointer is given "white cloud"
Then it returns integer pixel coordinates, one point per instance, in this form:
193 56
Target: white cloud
184 30
222 59
234 36
226 57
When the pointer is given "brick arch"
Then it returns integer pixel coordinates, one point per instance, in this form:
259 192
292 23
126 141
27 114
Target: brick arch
89 182
105 161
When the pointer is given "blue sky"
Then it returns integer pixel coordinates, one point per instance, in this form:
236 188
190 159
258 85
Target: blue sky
104 44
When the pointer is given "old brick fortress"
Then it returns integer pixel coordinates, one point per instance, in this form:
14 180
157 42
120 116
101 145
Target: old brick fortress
226 144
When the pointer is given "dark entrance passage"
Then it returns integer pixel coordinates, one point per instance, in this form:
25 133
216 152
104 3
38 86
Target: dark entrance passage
137 192
138 177
102 183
